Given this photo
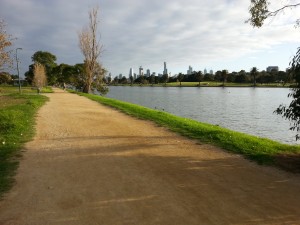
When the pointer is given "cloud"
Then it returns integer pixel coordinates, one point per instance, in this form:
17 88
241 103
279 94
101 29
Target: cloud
147 33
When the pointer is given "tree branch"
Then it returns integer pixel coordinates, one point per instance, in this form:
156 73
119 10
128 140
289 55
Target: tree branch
274 13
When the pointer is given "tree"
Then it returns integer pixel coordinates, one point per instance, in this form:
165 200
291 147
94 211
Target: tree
224 75
5 43
254 73
152 79
90 48
5 78
131 80
259 12
40 78
292 112
46 59
198 75
164 79
180 77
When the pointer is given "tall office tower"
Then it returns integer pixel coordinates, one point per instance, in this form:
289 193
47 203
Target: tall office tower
131 72
205 71
211 72
165 68
120 76
148 73
134 76
190 70
141 71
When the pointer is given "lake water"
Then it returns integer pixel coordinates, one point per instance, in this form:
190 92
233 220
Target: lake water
248 110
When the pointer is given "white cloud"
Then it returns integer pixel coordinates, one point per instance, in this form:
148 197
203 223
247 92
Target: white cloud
139 32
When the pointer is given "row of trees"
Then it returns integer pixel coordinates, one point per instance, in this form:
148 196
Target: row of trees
254 76
44 69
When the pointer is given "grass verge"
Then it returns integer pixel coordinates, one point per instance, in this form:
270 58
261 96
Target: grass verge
17 114
4 90
261 150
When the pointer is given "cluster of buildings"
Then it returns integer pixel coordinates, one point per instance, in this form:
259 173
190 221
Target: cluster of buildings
165 72
148 72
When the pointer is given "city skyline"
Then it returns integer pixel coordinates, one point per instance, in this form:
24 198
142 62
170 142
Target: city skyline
179 32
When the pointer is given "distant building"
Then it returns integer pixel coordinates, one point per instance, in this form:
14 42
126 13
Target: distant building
134 76
131 72
211 72
141 71
190 70
272 68
165 68
120 76
205 71
148 73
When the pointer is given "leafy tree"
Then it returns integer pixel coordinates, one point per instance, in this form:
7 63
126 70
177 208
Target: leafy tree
218 76
152 79
164 79
46 59
254 73
180 77
131 80
292 112
5 43
198 76
259 12
224 75
208 77
5 78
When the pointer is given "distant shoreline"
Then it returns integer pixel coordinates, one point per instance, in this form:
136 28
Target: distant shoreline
208 84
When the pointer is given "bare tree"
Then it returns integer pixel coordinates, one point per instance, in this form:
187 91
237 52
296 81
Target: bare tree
5 42
40 78
90 48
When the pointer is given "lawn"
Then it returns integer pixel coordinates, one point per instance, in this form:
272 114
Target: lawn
17 119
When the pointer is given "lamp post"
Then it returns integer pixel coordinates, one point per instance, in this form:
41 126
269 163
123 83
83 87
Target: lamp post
18 68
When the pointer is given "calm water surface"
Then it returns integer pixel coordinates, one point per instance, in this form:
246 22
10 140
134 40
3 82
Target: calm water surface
248 110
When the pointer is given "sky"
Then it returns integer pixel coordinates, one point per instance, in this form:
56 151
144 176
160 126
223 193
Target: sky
203 34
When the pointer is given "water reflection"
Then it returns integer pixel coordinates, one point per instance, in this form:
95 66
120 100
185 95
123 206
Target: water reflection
248 110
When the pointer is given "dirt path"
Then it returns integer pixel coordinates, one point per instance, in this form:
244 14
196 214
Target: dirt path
90 164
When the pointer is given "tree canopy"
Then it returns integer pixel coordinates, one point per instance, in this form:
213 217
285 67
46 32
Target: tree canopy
259 12
5 42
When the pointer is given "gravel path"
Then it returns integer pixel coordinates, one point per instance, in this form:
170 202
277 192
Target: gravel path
91 165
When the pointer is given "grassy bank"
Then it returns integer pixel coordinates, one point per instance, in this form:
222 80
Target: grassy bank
261 150
4 90
17 114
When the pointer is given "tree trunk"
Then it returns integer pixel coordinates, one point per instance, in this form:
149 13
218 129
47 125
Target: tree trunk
87 88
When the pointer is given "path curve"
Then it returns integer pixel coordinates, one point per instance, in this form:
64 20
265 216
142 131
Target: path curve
90 164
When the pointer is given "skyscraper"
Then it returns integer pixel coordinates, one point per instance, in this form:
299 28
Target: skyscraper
190 70
131 72
141 71
165 68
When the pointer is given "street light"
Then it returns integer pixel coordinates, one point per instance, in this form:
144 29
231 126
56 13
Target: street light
18 68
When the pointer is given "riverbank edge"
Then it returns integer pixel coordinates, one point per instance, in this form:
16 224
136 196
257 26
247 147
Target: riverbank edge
203 85
261 150
17 122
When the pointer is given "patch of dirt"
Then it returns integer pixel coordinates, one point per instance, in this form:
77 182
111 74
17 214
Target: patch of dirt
289 162
90 164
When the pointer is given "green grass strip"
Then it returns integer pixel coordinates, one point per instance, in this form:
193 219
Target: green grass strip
17 121
261 150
